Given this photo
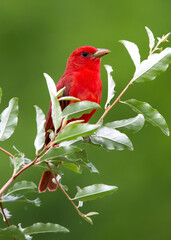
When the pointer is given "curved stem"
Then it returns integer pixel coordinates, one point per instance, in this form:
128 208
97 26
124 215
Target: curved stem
5 151
4 216
10 181
66 194
117 100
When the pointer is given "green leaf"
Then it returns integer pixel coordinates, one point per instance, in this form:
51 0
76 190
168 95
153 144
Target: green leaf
82 155
131 125
73 131
21 198
11 198
22 187
59 153
94 191
76 142
151 38
56 109
18 162
9 119
91 167
111 139
44 228
150 114
152 66
72 157
43 166
77 166
92 214
73 167
69 98
111 85
60 92
88 219
0 94
40 120
164 38
76 110
36 202
12 232
133 52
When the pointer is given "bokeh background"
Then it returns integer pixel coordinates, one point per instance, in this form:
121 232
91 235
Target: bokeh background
38 36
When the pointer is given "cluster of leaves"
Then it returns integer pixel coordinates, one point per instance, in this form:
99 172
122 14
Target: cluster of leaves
68 139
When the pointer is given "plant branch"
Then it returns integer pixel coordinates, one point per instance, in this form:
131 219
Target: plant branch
25 167
117 100
5 151
4 216
80 213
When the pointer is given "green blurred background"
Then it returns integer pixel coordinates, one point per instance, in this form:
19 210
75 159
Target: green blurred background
38 36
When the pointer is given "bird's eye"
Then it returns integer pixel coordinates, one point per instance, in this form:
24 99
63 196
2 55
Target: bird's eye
84 54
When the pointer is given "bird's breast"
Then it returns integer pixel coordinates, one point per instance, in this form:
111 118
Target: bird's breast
87 85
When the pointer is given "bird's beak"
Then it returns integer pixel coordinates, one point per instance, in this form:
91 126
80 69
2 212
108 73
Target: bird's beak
100 53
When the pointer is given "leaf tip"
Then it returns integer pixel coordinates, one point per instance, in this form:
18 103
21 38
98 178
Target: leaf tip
45 75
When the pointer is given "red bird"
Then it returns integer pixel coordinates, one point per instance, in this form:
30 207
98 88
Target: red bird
82 80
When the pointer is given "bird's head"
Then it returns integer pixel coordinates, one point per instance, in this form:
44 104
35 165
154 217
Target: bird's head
86 57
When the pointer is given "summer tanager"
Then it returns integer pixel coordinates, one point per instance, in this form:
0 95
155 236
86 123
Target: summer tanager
81 80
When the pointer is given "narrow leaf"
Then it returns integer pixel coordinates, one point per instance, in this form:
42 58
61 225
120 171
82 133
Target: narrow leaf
76 110
0 94
94 191
91 214
18 162
73 131
9 119
36 202
56 109
131 125
88 219
153 66
73 167
44 228
11 232
151 38
77 141
59 153
91 167
43 166
111 85
22 188
13 198
150 114
133 52
111 139
40 120
164 38
78 166
69 98
60 92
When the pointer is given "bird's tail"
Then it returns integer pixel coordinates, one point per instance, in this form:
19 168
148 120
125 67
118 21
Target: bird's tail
46 182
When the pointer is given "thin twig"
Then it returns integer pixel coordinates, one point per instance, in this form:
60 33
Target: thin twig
5 151
4 216
117 100
80 213
10 181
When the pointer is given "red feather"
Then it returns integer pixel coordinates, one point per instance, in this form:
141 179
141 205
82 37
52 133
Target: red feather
81 80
